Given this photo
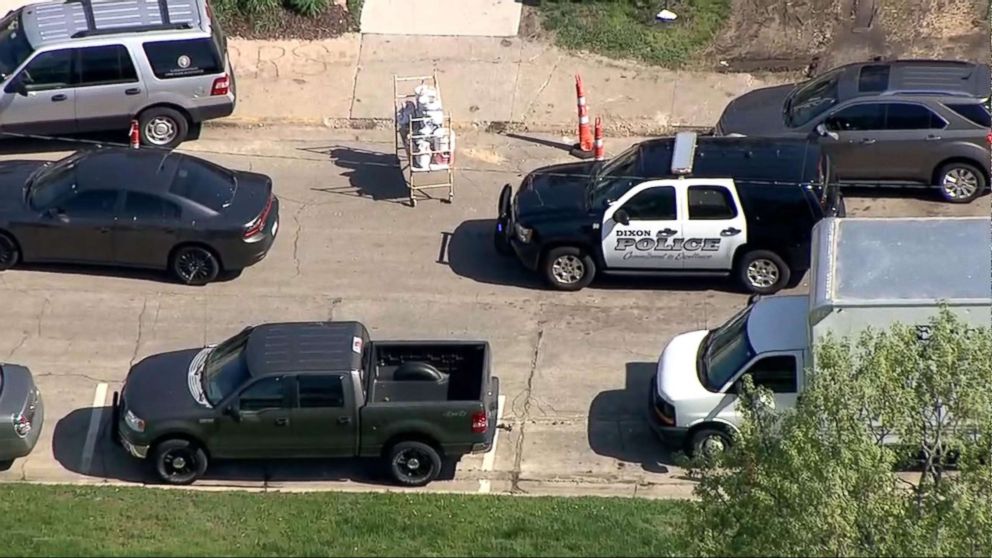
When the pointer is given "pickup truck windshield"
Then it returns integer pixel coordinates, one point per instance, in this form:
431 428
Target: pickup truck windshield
14 46
225 369
725 351
614 179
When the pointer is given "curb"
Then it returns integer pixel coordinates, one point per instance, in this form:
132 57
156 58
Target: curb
624 129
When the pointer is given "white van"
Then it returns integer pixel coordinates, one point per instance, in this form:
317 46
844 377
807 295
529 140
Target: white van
865 272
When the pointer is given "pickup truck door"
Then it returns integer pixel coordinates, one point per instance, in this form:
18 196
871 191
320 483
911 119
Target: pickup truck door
324 418
258 425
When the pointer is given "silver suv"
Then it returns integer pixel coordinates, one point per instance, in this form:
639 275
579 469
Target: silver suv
79 66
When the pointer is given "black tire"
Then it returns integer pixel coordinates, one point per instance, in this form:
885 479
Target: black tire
413 463
763 272
6 464
179 462
706 440
162 127
967 182
9 252
194 265
568 269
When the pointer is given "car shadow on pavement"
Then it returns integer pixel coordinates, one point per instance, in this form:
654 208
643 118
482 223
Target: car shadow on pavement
14 144
924 194
116 271
109 460
470 252
618 428
370 174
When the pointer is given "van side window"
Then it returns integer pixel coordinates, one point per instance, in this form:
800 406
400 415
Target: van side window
652 204
104 65
268 393
320 391
711 203
777 373
185 58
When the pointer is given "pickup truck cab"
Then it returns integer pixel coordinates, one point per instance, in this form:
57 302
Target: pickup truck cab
310 390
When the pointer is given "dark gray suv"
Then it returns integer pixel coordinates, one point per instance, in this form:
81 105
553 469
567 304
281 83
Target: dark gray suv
892 123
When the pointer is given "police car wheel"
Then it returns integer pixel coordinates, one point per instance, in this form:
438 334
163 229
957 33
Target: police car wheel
763 272
568 268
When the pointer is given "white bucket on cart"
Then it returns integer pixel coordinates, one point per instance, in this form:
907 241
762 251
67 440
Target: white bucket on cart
422 158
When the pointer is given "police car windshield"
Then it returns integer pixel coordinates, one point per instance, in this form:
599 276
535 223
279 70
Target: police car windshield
724 352
614 178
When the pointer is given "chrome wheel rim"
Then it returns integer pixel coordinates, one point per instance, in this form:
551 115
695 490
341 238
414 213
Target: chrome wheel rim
762 273
568 269
161 130
194 265
959 183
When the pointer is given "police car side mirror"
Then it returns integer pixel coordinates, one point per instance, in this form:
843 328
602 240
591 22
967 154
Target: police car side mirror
620 216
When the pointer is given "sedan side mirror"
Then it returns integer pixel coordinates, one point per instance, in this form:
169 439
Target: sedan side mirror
620 216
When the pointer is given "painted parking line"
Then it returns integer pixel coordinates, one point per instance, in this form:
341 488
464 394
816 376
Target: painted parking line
99 400
489 460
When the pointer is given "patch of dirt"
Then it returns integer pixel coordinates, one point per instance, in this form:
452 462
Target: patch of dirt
285 24
530 24
815 35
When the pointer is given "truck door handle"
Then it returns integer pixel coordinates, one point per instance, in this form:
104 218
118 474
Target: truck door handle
667 232
282 421
132 91
344 420
59 97
868 141
730 231
932 138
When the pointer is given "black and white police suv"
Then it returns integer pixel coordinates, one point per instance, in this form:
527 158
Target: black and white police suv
683 205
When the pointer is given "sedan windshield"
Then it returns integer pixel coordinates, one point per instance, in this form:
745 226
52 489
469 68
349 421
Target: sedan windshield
225 369
725 351
615 178
812 99
14 46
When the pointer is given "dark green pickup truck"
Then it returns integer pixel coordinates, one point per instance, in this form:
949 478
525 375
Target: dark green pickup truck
310 390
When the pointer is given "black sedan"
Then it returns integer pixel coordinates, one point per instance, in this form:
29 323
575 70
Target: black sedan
136 208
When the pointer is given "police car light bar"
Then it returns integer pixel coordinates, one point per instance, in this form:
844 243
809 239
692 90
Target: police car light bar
684 153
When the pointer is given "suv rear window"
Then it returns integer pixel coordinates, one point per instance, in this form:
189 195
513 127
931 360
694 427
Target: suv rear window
976 112
190 57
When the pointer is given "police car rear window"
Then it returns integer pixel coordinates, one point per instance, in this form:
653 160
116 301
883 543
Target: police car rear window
186 58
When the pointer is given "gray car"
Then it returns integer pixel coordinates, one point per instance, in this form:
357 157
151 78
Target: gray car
896 123
80 66
21 414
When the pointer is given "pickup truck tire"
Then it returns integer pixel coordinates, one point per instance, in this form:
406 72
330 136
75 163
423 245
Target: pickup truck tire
763 272
414 463
568 269
179 461
709 442
6 464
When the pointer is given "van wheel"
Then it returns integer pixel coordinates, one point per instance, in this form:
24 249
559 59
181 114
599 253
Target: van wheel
195 265
6 464
708 443
162 127
179 461
960 182
414 463
763 272
9 254
568 268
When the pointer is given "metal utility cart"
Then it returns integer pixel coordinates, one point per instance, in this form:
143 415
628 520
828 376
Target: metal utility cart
424 140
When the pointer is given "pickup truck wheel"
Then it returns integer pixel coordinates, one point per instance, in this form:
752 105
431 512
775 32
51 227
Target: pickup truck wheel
708 443
763 272
568 269
6 464
179 461
414 463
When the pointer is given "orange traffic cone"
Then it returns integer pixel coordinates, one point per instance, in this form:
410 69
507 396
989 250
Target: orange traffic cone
583 149
133 134
600 149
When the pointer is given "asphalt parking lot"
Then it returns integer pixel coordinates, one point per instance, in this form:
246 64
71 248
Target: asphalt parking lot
574 367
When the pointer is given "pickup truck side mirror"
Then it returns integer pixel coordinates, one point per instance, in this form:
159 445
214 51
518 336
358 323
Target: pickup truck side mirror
620 216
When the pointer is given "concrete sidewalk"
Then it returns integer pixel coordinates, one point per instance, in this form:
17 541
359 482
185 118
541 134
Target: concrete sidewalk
487 82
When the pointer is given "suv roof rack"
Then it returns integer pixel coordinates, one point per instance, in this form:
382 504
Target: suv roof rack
934 91
684 153
137 29
69 19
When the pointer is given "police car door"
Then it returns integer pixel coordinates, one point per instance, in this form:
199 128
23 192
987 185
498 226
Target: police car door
641 230
714 225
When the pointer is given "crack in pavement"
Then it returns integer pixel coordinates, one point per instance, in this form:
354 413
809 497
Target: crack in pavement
296 237
522 418
530 105
24 339
141 319
76 375
41 314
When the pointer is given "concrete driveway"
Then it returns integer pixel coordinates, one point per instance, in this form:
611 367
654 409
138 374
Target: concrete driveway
574 366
